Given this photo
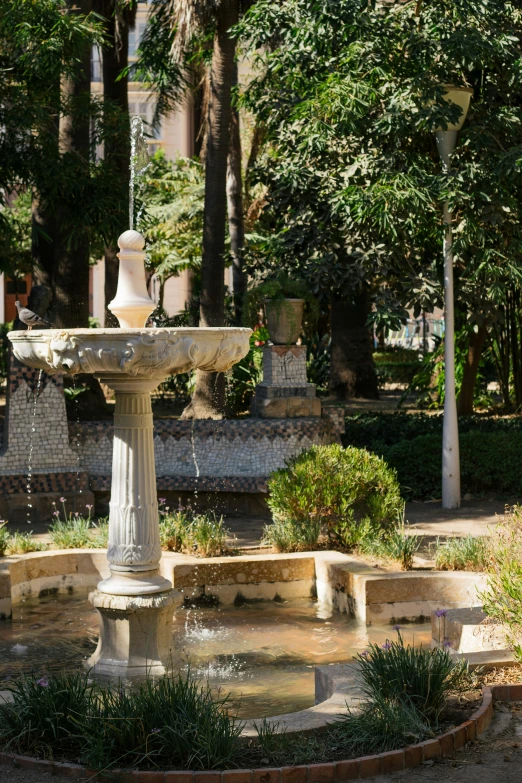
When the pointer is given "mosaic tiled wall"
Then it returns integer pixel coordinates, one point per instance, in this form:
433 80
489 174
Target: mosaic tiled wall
222 456
36 428
246 448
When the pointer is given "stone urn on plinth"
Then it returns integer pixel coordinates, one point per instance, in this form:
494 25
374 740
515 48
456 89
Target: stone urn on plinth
135 604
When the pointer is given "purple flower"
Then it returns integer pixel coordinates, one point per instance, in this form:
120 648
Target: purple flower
162 500
396 627
441 612
365 654
62 500
155 731
88 506
446 642
386 645
56 513
43 682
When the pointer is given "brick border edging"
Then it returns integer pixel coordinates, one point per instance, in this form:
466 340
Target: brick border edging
350 769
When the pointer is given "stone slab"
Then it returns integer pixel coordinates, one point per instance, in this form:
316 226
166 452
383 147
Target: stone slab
271 391
378 597
467 630
240 571
287 408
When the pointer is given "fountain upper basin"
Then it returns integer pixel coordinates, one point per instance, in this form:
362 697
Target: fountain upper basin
153 353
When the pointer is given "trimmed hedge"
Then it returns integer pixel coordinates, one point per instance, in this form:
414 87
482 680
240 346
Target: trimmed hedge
490 451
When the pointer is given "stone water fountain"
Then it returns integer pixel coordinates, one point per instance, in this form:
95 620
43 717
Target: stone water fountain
135 604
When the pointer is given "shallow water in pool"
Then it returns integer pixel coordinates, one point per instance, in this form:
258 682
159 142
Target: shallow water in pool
262 653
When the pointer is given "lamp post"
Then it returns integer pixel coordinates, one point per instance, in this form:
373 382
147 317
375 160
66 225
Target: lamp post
446 141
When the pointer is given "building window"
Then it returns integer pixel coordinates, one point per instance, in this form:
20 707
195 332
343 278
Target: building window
96 64
145 110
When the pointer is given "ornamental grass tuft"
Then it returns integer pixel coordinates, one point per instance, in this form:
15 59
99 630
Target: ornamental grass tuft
469 553
414 676
173 722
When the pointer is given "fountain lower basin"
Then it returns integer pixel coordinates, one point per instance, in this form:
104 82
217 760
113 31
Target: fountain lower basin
263 654
135 602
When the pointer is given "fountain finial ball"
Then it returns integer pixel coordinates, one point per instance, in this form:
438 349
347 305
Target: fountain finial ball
131 240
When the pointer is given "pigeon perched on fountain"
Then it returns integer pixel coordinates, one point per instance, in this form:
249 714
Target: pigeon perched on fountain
29 318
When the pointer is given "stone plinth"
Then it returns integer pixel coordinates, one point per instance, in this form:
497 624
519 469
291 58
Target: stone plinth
135 634
285 392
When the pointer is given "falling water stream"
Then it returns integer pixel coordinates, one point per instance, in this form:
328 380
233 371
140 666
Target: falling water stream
139 163
29 490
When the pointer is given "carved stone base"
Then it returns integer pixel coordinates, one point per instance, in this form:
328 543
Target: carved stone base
135 634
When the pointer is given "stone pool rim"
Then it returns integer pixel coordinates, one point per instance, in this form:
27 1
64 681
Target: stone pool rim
359 768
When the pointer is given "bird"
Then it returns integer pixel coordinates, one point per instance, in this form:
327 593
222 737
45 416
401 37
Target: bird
29 318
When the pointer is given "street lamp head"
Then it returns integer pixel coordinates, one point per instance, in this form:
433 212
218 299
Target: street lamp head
462 97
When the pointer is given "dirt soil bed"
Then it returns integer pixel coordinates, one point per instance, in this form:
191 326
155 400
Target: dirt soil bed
495 758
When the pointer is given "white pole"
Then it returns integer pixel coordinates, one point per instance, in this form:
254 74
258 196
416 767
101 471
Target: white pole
446 141
450 427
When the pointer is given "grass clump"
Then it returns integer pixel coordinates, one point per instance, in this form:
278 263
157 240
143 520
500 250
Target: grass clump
185 531
502 599
23 543
4 537
173 722
336 492
18 543
418 677
286 535
470 553
71 530
396 545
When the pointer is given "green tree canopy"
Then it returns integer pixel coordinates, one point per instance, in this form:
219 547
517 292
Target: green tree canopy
349 93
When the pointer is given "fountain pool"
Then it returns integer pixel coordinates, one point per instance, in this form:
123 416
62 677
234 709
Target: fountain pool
262 653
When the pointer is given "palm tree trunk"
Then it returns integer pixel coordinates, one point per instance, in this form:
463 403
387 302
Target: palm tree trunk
71 263
352 371
208 401
117 144
236 226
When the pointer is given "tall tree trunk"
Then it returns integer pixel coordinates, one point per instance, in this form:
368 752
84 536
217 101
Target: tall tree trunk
352 372
469 378
117 144
42 244
208 401
43 222
71 267
236 226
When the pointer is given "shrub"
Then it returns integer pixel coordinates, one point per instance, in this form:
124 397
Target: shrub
412 444
469 553
502 599
172 722
4 537
412 675
23 543
340 490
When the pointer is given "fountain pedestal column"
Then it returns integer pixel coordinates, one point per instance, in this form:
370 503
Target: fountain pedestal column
135 603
